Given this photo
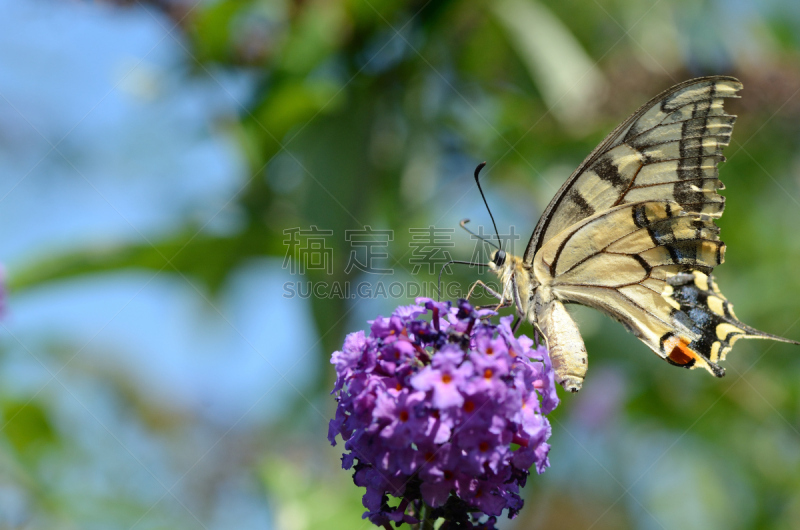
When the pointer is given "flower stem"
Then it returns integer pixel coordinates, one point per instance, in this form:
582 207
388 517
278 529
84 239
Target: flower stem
427 519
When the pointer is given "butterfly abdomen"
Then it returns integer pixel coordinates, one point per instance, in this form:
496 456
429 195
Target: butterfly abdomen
564 342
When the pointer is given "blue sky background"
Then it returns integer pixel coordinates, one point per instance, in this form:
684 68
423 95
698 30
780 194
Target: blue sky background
106 138
140 145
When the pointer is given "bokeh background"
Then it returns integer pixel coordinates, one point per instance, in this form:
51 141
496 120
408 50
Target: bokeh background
153 155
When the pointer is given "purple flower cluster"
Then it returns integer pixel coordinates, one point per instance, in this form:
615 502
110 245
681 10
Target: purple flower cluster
448 413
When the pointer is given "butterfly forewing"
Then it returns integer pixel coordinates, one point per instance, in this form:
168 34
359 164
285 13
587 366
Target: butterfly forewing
667 150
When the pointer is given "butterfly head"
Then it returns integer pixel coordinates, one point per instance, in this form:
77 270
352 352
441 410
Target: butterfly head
498 259
517 282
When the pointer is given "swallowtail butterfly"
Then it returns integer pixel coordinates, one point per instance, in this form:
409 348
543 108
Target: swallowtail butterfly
631 233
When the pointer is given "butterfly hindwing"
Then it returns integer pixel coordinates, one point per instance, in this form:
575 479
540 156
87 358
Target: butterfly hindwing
625 261
667 150
710 315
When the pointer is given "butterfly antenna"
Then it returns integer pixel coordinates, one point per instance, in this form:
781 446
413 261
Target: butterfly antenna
439 285
478 182
463 224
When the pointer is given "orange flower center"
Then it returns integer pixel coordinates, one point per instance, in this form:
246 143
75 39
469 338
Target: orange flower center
404 416
469 406
446 378
488 373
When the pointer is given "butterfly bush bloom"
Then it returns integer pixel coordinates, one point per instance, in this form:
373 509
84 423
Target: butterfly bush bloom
444 412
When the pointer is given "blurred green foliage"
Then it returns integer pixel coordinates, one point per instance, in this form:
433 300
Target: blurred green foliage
374 113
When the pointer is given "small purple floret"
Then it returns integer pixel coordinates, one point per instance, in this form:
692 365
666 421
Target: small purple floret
449 412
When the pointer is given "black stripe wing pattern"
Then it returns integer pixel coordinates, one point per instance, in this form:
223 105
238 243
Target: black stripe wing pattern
667 150
710 316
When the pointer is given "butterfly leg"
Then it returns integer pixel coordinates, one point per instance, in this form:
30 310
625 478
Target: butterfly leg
488 290
494 307
503 302
517 305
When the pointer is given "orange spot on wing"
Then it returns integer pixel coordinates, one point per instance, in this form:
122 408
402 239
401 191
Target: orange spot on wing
681 353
